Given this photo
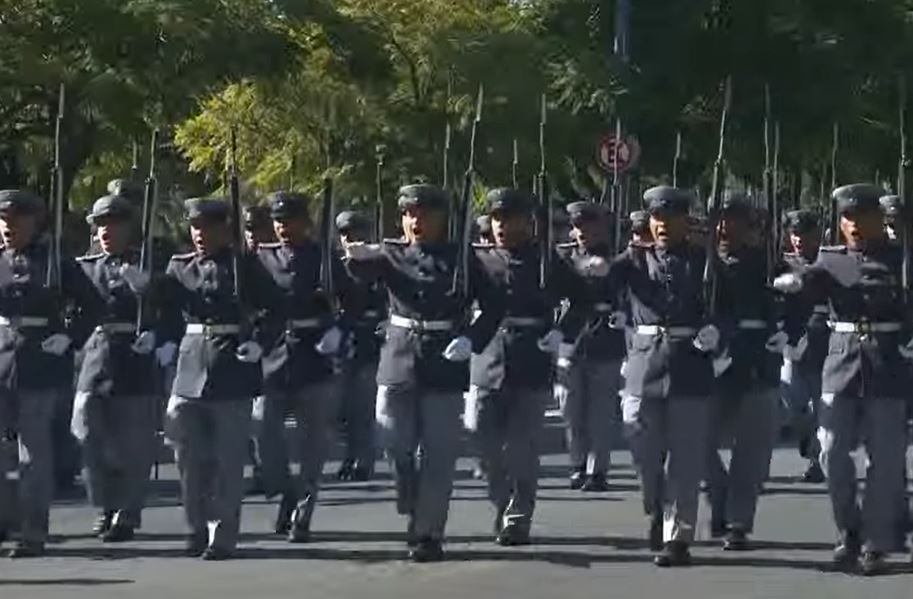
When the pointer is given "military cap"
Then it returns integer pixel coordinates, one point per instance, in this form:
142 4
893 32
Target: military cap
891 205
213 209
130 190
110 206
508 201
800 221
349 220
584 211
288 204
20 201
667 199
640 220
483 225
423 194
857 198
736 204
256 217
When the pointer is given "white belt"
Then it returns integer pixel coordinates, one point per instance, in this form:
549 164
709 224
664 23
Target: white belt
602 307
24 322
519 322
117 328
754 325
656 330
863 328
420 325
198 328
305 323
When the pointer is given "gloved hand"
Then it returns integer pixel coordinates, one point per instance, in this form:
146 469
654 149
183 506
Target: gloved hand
458 350
566 353
788 283
360 251
708 339
330 342
144 344
471 409
623 371
249 352
594 266
721 364
786 371
618 321
777 342
78 422
551 342
56 345
165 354
137 279
258 408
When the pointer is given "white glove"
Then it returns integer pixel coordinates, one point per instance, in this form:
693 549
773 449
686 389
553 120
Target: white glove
777 343
551 342
594 266
708 339
144 344
618 321
258 408
57 344
165 354
330 342
249 352
6 272
623 371
471 409
458 350
566 353
79 420
788 283
136 278
721 364
360 250
786 371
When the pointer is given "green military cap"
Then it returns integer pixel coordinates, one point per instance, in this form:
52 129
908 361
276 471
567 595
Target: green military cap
585 210
424 195
505 200
800 221
257 217
736 205
288 204
350 220
667 199
891 205
110 206
859 197
210 209
131 190
20 201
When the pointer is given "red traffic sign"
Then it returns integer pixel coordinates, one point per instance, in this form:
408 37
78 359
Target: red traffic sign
617 153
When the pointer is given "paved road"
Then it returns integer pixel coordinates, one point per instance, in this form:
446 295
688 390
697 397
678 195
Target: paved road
588 545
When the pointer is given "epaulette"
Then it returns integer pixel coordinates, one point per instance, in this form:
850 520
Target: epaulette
396 242
566 246
90 257
833 249
183 257
484 246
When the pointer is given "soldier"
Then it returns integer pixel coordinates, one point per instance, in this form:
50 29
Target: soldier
300 341
483 228
640 227
866 377
217 373
258 227
894 221
422 369
745 408
33 361
587 383
669 374
509 378
115 408
806 324
368 311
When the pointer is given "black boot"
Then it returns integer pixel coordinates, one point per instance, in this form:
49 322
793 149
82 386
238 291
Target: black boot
345 470
596 483
673 554
361 473
196 543
578 478
27 549
300 531
847 551
736 540
427 550
513 535
103 522
813 474
873 563
118 533
216 554
655 534
284 515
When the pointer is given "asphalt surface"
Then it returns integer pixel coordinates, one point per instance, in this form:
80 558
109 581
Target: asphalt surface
585 545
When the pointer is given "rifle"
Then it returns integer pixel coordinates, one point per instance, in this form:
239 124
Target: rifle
461 282
515 167
543 192
54 279
616 200
134 169
902 188
234 191
832 207
327 283
713 206
769 192
379 212
149 201
677 158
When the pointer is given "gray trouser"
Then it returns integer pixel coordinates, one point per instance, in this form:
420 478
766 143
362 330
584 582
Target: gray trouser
210 446
25 424
802 395
413 420
508 431
879 423
314 410
358 397
118 452
747 422
668 438
588 405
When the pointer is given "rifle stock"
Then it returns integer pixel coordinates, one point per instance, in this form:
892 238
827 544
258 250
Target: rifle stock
461 283
902 190
543 193
713 206
327 282
146 249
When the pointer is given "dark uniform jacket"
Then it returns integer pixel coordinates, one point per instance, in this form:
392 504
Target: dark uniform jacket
663 287
862 287
513 356
365 313
200 289
23 364
804 320
418 279
109 366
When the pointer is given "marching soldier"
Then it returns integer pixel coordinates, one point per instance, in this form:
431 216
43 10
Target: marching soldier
807 325
258 227
422 369
588 382
669 374
640 226
217 373
115 407
866 377
301 339
483 228
745 409
509 377
33 362
368 311
894 218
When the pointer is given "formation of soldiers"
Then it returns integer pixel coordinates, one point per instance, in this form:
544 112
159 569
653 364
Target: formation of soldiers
682 346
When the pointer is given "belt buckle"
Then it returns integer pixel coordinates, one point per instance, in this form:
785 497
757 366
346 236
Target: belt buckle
864 328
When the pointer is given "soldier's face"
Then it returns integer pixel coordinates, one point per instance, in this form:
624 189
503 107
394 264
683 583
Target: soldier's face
209 236
860 227
590 232
113 235
805 243
292 231
260 234
17 229
668 228
511 230
421 225
733 232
